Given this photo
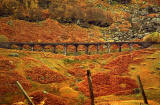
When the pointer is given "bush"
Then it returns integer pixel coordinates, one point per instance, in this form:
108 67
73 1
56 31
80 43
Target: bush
31 15
44 3
97 16
66 13
8 7
35 15
76 14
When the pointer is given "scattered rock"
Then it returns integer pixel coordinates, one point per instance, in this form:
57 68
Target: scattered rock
151 58
157 68
133 68
144 64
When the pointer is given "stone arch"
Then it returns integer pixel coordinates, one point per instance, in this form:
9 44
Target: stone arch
48 48
136 46
14 46
59 48
38 47
125 46
114 47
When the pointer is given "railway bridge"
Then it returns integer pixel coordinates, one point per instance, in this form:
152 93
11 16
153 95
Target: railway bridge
76 45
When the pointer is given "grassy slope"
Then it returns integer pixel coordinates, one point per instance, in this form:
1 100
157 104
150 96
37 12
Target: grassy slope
70 66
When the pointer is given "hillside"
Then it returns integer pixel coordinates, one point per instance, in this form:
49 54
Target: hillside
56 79
49 77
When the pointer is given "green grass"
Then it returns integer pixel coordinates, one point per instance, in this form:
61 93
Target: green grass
70 61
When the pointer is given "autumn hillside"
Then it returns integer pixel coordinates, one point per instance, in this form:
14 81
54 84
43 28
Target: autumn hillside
46 31
56 79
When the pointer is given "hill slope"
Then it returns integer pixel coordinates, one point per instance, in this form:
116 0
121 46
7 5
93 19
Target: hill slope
46 76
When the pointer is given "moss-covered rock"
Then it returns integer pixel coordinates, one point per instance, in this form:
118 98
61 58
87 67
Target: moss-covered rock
154 37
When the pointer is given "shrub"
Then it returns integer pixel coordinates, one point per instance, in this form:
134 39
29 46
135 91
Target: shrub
97 16
66 13
44 3
35 15
76 14
32 15
8 7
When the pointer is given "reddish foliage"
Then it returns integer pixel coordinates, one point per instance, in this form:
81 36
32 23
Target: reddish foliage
106 84
47 31
87 102
82 57
44 75
6 64
113 82
136 46
120 64
77 71
8 82
48 98
106 56
91 66
125 46
95 56
114 47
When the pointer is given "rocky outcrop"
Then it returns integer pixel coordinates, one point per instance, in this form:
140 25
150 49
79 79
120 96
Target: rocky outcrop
142 20
146 20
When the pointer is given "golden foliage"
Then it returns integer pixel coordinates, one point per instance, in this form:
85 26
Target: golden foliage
68 92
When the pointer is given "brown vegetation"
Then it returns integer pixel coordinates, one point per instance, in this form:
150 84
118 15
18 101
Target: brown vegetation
116 80
44 75
104 84
22 31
